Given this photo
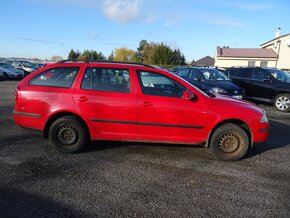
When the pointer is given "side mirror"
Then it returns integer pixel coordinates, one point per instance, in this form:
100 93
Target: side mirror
268 79
187 95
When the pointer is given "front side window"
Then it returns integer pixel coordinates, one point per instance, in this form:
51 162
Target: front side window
106 79
159 85
56 77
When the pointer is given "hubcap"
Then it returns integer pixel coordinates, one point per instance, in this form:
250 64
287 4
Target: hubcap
283 103
229 142
67 135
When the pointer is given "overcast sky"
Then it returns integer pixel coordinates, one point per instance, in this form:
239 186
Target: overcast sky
43 28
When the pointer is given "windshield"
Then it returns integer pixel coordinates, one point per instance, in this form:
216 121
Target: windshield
4 65
280 75
213 74
27 64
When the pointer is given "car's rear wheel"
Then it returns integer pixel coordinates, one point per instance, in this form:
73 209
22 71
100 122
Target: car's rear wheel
229 142
282 102
68 135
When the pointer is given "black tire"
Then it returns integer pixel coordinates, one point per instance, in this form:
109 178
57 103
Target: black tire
229 142
282 102
68 135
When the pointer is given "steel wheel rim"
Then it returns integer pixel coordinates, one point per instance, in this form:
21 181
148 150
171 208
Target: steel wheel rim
283 103
67 135
230 143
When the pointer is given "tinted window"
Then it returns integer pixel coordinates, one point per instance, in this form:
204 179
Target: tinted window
259 74
106 79
232 72
244 73
196 74
280 75
158 84
56 77
183 72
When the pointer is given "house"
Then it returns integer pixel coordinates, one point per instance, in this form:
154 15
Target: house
207 61
274 53
281 45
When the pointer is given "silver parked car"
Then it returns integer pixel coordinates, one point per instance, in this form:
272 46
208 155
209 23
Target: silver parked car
26 66
11 72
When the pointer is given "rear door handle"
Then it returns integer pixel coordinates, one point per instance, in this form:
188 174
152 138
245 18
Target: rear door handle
82 98
147 103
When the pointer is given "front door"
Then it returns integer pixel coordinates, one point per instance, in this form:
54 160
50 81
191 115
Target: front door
163 115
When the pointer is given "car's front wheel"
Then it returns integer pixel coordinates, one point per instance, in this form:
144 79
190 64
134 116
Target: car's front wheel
282 102
229 142
68 135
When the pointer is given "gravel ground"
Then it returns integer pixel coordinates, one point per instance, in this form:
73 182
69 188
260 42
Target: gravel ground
114 179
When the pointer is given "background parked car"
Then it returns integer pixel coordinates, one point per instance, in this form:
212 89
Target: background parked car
11 72
211 80
26 66
175 70
264 84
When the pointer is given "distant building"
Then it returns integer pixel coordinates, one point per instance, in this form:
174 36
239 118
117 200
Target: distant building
206 61
274 53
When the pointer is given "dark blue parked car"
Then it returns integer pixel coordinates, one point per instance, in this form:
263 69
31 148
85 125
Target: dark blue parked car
211 80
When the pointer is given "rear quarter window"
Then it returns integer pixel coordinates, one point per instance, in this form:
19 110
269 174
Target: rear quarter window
56 77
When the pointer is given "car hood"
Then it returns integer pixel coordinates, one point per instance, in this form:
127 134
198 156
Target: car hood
234 104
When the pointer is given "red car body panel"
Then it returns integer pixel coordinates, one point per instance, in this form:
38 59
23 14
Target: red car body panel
133 116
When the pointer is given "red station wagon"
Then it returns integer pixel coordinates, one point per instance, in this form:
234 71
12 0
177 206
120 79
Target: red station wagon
72 103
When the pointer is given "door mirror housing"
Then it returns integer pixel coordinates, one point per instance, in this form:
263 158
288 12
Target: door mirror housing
268 79
187 95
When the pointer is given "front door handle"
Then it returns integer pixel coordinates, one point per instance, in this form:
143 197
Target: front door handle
82 98
147 103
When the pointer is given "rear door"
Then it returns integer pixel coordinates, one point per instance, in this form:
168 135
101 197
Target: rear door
107 98
163 115
243 77
263 85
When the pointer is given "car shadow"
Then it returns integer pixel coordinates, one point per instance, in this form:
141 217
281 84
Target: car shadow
279 138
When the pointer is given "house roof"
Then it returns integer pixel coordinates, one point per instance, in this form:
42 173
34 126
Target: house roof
279 37
206 61
246 52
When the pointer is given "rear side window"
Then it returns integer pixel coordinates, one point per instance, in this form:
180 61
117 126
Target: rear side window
106 79
159 85
232 72
56 77
244 73
260 75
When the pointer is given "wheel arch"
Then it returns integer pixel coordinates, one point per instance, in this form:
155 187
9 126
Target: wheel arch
238 122
56 116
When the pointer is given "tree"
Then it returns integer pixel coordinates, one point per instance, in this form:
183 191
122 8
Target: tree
89 55
111 56
73 55
125 55
140 50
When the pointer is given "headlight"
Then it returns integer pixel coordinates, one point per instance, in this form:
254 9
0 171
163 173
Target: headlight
216 90
264 118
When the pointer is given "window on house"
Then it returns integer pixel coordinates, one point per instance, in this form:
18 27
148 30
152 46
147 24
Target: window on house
251 63
264 64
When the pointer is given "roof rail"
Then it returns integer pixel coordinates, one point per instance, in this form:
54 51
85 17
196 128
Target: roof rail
109 62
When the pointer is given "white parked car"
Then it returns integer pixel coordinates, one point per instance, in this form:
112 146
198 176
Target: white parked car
11 72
